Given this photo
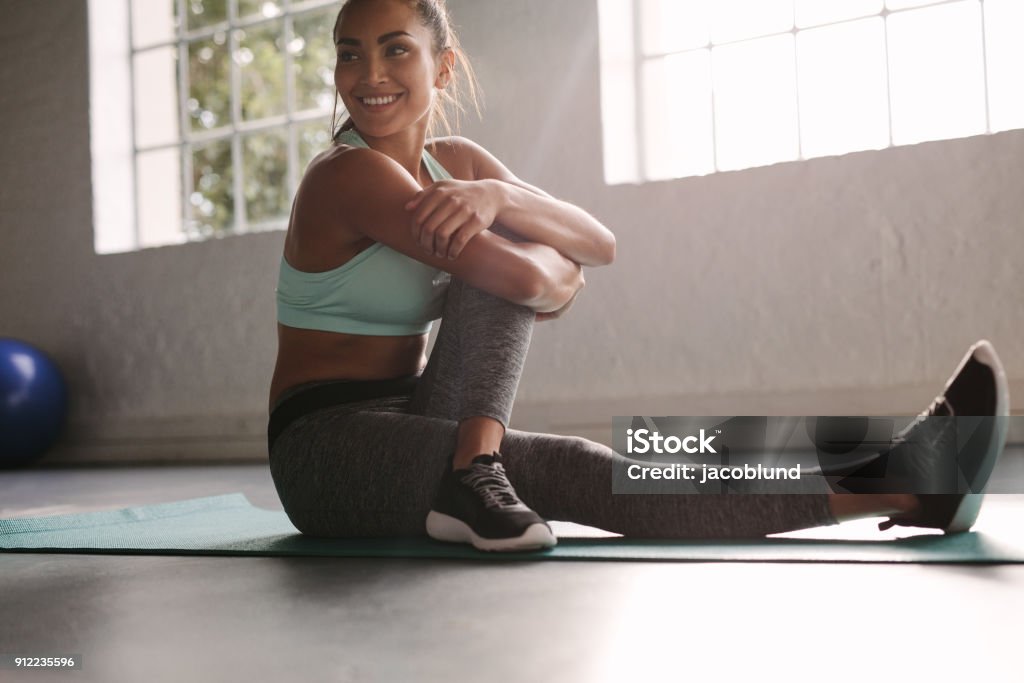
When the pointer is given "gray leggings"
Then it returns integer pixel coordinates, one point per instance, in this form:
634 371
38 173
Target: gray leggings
370 468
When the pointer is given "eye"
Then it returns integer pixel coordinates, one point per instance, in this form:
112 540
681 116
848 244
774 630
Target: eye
397 50
346 56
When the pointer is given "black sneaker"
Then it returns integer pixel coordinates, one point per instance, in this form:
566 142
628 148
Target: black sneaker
479 506
977 398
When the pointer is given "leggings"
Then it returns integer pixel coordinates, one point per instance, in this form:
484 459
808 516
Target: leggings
364 459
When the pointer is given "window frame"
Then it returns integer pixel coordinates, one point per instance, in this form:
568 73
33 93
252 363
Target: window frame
234 130
644 54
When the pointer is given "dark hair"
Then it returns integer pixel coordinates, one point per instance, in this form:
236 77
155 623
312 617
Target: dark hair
434 16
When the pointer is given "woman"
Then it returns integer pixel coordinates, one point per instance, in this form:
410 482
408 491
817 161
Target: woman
365 441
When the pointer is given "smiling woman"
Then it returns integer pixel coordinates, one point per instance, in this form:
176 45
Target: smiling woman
443 41
388 232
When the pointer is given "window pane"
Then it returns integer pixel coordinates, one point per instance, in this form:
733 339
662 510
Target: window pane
1004 28
202 13
265 160
843 94
677 116
156 96
901 4
618 91
159 198
674 25
755 103
209 104
213 193
739 19
261 62
313 60
314 137
260 8
936 72
153 21
816 12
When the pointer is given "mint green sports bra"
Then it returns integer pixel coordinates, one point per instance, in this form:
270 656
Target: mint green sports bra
379 292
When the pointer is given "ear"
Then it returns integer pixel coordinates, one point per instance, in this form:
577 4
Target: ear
445 69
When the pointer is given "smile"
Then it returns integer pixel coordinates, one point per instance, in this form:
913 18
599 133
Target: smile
377 102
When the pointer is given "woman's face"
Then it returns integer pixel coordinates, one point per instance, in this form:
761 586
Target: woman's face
386 72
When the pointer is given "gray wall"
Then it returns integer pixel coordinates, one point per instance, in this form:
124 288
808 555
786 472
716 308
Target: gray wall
844 285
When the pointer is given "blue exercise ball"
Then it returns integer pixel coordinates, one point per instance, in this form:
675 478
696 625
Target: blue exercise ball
33 402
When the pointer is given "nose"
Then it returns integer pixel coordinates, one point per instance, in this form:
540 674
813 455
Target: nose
375 71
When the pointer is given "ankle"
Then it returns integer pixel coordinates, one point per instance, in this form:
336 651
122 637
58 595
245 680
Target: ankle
904 503
463 460
477 436
847 506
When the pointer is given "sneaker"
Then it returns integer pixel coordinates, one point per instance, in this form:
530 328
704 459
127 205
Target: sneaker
978 398
921 459
479 506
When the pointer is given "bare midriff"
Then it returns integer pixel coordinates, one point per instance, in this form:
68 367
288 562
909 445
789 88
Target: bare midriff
313 355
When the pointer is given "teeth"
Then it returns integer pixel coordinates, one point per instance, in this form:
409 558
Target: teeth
375 101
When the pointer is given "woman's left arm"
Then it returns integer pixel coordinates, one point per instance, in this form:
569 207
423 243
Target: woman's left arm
445 209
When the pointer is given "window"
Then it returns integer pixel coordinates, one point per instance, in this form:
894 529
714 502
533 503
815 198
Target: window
204 114
690 87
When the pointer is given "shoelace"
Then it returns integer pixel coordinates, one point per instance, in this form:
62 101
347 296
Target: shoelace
939 403
490 483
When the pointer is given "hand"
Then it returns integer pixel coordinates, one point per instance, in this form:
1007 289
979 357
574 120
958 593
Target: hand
449 213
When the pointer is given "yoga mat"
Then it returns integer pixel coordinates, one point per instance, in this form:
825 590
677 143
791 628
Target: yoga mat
231 525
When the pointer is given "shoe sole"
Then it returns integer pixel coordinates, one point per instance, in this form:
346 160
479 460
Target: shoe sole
442 527
967 511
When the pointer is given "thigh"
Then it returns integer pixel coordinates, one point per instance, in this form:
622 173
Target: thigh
361 474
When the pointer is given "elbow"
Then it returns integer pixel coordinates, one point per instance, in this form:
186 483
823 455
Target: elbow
534 289
546 292
532 286
602 251
607 250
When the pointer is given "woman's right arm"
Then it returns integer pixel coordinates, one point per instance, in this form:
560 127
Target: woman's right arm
367 191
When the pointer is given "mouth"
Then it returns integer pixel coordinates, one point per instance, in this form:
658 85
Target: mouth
380 102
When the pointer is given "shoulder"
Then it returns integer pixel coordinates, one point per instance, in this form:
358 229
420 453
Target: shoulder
343 162
345 173
341 184
456 154
455 144
465 159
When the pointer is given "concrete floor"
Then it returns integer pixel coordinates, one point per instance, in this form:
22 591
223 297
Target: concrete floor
138 618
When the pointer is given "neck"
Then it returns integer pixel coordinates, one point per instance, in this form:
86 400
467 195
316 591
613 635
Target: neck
405 147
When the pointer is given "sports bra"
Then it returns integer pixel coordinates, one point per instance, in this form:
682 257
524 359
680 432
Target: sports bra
378 292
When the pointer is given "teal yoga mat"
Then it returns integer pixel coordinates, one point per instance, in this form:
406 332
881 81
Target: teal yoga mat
230 525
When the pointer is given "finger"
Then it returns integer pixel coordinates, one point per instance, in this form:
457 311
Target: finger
432 212
440 210
429 199
444 211
415 225
433 196
470 229
428 228
415 201
449 231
